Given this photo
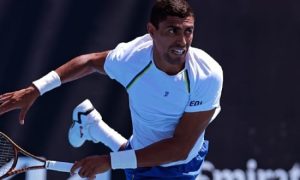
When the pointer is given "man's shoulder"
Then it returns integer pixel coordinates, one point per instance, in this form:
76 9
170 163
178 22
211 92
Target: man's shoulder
199 54
138 43
201 59
132 50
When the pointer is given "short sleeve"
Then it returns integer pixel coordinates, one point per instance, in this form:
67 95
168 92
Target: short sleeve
206 93
120 61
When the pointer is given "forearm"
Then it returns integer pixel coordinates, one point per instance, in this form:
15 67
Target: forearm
162 152
165 151
74 69
81 66
178 147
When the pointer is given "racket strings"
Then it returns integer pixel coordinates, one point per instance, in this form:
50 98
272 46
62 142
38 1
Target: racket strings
7 151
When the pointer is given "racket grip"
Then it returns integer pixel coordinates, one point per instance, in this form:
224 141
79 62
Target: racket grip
59 166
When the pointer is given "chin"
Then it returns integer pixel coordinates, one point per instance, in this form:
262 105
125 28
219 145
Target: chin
176 61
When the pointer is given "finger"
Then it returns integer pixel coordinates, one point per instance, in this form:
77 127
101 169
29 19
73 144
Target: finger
5 107
90 174
22 115
81 173
4 97
75 167
84 169
6 94
92 178
90 170
86 173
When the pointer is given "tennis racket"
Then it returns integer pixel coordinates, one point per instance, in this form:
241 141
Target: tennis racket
9 154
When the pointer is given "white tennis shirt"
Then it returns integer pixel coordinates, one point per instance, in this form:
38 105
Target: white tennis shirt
157 100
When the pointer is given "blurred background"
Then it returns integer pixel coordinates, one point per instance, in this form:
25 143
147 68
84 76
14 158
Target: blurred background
256 136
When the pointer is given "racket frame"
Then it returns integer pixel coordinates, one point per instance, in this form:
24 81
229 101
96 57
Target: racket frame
17 151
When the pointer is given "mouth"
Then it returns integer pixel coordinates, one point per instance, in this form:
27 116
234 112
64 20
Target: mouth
178 51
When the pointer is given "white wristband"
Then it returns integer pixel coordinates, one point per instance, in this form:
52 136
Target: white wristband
123 160
47 82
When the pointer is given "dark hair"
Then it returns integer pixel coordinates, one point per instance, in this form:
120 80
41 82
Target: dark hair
164 8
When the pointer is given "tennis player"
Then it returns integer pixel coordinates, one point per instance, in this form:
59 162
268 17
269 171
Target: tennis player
174 93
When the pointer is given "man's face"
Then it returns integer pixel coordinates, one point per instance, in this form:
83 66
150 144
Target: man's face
172 39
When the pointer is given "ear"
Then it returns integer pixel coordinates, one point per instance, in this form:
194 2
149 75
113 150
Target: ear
151 29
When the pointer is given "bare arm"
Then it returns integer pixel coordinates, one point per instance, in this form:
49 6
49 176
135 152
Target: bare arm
173 149
178 147
81 66
74 69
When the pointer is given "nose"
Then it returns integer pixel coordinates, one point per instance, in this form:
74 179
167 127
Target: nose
181 40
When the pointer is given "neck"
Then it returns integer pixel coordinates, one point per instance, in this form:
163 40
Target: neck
165 66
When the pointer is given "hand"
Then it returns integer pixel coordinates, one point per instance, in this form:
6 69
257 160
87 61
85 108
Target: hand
21 99
92 165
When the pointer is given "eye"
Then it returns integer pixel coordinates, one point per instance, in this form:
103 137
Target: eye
189 30
172 31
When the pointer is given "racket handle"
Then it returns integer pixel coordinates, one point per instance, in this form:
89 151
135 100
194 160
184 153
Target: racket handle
59 166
